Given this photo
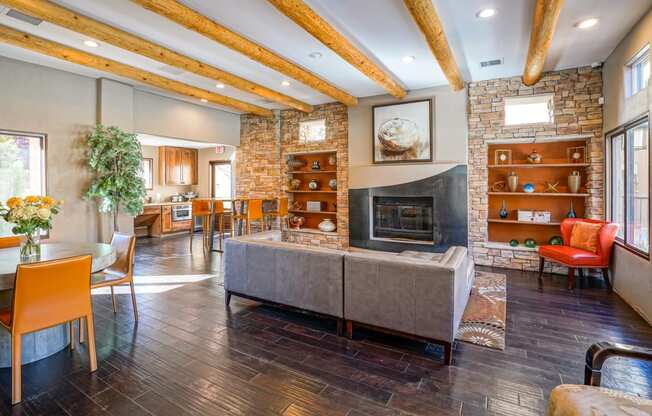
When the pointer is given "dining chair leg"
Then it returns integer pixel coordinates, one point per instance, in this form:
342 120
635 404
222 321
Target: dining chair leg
115 308
81 324
542 264
92 356
133 300
16 369
605 276
71 327
191 232
221 225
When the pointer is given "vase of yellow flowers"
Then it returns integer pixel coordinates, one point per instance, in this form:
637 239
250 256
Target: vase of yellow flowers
30 215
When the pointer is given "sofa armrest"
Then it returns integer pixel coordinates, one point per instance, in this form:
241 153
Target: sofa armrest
600 352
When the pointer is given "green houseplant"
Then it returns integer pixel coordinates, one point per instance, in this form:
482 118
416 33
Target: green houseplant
115 156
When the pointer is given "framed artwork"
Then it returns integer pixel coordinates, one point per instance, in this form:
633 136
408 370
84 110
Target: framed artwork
147 172
576 154
402 132
503 157
312 130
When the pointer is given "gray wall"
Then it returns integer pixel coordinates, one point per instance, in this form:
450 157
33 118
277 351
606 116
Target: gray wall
632 274
450 139
66 106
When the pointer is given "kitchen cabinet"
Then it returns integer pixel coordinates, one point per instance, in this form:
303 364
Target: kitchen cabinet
177 166
166 219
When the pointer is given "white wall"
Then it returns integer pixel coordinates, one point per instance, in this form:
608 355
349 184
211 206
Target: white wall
632 274
449 137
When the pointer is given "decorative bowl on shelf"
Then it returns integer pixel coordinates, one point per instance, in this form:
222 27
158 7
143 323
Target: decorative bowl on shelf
333 184
327 225
530 243
556 241
513 242
294 164
528 188
534 157
313 185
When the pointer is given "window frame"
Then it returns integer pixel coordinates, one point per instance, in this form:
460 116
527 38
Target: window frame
630 79
549 98
609 200
44 162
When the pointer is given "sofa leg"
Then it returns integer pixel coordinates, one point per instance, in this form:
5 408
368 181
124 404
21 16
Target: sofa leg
571 278
227 298
605 276
448 353
542 263
349 329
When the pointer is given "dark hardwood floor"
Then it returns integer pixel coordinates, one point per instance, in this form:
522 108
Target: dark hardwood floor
189 355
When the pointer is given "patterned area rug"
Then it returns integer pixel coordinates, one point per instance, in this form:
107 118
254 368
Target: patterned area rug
483 322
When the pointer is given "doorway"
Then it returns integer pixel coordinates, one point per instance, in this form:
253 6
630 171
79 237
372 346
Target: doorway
222 181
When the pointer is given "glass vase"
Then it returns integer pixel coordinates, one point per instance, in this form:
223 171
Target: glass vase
30 247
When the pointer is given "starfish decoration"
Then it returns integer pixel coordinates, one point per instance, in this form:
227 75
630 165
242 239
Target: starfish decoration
552 187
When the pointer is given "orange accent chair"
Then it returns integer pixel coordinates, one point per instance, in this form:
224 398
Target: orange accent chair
46 294
575 258
8 242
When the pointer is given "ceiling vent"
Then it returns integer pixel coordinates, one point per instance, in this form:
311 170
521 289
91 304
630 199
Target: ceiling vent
24 17
492 62
172 70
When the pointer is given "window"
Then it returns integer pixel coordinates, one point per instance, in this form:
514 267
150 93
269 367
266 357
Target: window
147 172
529 110
629 184
639 71
22 168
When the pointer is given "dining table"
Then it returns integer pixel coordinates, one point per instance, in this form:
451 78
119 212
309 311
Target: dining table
41 344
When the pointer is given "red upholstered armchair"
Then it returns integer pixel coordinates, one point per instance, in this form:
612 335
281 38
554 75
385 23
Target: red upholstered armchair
575 258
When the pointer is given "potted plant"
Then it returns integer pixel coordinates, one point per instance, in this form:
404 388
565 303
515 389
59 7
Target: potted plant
31 215
115 156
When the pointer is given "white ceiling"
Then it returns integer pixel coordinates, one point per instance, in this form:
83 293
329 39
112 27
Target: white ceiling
382 28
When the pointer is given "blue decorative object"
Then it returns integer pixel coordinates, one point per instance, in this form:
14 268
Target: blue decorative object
530 243
528 188
503 213
571 213
513 242
556 241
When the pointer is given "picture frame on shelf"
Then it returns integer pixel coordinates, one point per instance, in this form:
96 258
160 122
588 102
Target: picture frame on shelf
503 157
576 154
402 132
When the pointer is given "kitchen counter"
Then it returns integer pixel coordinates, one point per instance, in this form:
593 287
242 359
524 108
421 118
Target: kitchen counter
168 203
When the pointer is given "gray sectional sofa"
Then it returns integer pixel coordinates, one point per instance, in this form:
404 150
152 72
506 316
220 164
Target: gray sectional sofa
417 296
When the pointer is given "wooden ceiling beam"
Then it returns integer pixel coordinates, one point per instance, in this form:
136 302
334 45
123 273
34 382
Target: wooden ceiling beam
544 22
194 21
57 50
69 19
424 14
301 14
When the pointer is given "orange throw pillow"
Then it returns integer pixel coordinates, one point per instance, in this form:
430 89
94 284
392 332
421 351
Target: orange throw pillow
585 236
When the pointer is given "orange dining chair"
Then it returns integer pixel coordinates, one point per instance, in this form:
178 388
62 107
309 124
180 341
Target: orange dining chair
218 216
122 271
8 242
202 208
238 213
255 214
46 294
281 212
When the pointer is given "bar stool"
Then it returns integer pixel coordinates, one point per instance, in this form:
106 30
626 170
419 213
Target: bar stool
202 208
255 214
218 216
238 213
281 213
7 242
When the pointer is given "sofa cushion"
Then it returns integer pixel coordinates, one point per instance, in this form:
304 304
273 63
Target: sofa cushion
578 400
570 256
585 236
422 255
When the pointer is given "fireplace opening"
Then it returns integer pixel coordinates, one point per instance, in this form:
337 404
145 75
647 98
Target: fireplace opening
404 219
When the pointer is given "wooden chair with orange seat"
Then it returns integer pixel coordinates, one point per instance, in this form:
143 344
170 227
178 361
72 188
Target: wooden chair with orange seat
8 242
46 294
587 245
250 210
202 208
281 212
218 217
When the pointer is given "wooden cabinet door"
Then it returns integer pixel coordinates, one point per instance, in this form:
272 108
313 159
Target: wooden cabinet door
174 174
181 225
166 219
188 166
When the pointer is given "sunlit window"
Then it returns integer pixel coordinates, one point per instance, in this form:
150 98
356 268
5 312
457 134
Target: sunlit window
22 168
639 71
629 187
529 110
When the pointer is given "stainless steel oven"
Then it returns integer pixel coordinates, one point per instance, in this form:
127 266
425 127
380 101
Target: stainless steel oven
181 212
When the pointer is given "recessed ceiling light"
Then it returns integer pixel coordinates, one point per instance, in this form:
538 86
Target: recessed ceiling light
316 55
220 85
587 23
485 13
204 100
91 43
285 83
407 59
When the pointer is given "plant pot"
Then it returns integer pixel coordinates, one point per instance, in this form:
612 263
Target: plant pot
512 182
30 246
574 182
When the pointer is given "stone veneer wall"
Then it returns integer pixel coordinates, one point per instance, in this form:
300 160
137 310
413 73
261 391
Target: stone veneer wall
576 111
337 138
261 170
